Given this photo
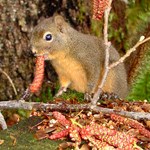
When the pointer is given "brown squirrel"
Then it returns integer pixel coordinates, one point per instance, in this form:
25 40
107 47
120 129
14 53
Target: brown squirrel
77 58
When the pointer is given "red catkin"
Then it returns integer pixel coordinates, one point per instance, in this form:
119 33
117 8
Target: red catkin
61 118
99 7
101 145
132 123
38 76
59 135
74 133
98 135
112 137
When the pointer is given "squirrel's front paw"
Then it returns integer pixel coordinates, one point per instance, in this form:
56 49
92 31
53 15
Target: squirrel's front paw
60 91
88 97
107 95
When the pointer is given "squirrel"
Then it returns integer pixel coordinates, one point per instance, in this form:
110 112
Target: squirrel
77 58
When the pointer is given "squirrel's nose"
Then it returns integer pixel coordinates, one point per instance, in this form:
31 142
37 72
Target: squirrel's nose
34 50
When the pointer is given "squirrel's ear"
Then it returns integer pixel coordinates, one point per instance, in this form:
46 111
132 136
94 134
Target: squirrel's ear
60 22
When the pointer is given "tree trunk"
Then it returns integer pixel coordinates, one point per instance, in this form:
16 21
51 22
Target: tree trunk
18 17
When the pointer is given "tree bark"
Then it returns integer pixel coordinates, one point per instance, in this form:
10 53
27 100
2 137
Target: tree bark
18 17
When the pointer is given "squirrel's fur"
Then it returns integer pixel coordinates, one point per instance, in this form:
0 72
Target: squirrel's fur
78 58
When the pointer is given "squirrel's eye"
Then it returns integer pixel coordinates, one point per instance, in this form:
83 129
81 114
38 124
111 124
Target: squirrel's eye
47 36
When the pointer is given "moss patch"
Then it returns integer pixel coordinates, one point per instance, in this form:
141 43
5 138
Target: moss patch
25 137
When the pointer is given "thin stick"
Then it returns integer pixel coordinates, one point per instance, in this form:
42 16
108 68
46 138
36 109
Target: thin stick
107 44
121 60
11 82
99 91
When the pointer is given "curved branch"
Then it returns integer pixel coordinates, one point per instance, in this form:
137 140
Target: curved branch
11 82
121 60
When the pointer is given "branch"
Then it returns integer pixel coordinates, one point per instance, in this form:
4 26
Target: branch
11 82
99 91
134 115
14 104
107 44
121 60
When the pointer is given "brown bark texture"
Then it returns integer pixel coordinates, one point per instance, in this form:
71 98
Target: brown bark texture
17 19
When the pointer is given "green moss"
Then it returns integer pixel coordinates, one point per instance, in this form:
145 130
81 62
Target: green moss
141 86
45 97
25 138
70 94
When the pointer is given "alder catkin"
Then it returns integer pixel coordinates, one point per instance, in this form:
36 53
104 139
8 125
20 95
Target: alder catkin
38 75
99 7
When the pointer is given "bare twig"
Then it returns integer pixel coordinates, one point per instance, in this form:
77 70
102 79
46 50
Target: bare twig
128 53
2 122
14 104
107 44
99 91
134 115
10 80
